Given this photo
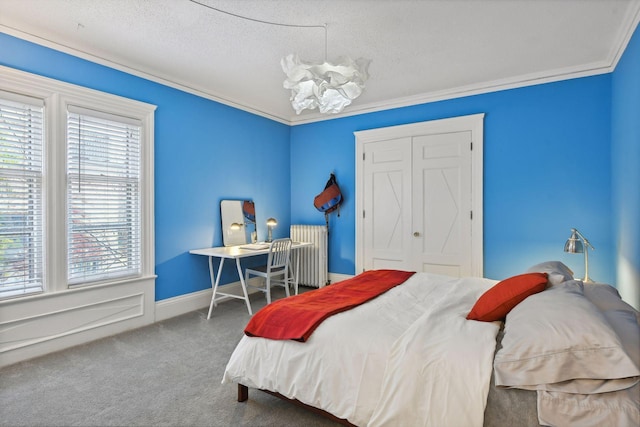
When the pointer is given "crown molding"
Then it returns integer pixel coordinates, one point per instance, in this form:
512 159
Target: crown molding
628 27
139 73
463 91
632 19
626 32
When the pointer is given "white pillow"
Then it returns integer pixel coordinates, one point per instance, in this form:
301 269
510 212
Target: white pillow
557 271
557 336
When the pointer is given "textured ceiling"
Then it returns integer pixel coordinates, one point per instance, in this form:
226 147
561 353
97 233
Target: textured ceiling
419 50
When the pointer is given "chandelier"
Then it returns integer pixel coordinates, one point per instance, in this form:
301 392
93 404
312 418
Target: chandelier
326 86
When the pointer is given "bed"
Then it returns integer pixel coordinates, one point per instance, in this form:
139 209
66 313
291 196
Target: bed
560 353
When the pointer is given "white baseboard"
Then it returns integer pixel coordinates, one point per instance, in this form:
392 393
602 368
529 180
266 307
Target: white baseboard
183 304
172 307
336 277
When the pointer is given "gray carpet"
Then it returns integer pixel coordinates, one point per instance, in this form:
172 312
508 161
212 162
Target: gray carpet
166 374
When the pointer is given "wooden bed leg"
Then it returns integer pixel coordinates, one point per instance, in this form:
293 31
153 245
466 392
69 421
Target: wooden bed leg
243 393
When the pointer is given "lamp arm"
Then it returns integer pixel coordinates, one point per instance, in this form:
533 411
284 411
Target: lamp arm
584 239
586 279
588 245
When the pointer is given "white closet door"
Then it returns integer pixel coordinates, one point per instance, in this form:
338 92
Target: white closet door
441 212
419 197
387 204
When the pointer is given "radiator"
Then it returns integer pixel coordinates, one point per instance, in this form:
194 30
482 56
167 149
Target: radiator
313 269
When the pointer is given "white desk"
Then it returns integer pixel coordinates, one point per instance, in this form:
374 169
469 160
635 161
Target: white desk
237 253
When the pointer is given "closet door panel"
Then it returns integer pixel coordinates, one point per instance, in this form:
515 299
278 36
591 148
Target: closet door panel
442 203
387 204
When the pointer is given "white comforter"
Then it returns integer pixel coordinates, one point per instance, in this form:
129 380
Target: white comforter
408 357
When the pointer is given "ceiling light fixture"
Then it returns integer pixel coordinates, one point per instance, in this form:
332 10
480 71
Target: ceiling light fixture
325 86
328 87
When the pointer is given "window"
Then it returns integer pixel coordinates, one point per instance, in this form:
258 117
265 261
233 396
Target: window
21 168
103 196
76 190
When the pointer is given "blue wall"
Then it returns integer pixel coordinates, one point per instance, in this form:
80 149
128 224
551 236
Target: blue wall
547 169
204 152
626 169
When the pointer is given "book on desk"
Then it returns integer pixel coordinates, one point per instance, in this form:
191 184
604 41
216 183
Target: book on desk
255 246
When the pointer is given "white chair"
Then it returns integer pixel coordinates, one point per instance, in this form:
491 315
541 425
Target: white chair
276 271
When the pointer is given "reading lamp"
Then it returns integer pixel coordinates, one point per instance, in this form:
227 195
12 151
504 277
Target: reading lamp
577 244
271 222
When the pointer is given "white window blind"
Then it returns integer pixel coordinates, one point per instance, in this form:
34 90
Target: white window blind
103 196
21 195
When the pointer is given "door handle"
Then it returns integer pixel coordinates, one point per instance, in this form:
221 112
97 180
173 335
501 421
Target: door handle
416 234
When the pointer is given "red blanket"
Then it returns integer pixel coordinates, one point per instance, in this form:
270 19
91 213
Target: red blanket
296 317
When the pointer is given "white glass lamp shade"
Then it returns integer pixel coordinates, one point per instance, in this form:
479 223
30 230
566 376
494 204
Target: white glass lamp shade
328 87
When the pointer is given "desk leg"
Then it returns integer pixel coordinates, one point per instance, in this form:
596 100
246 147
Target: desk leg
295 281
244 286
215 280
